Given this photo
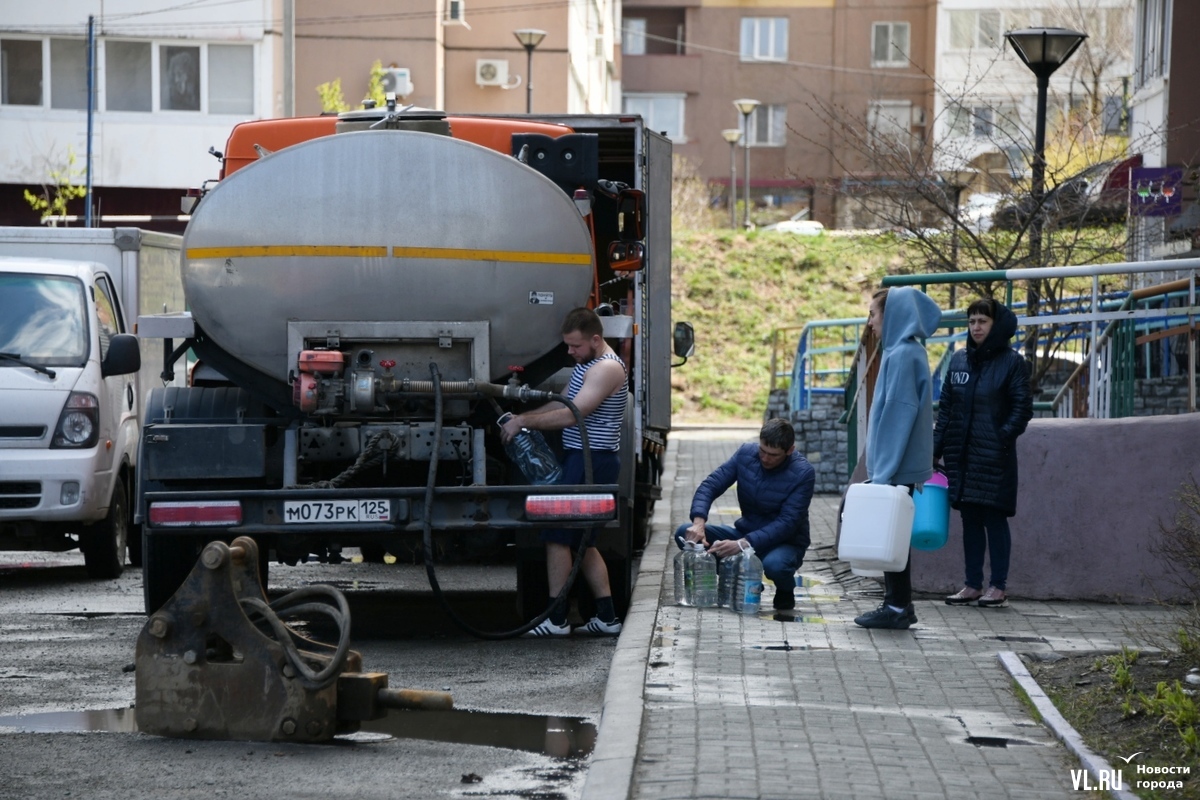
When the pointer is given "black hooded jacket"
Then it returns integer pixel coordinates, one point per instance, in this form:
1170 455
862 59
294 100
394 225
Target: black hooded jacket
985 405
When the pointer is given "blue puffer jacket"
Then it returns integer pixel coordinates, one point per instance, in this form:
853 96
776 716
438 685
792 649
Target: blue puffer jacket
774 503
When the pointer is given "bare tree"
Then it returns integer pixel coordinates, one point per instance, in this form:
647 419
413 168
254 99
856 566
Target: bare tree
896 179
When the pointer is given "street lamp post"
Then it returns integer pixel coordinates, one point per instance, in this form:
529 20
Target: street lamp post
529 39
732 135
956 180
1043 50
746 106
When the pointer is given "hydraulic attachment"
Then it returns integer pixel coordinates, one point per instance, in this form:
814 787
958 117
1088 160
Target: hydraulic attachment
217 661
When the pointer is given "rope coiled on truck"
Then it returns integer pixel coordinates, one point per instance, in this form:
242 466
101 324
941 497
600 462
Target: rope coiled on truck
372 455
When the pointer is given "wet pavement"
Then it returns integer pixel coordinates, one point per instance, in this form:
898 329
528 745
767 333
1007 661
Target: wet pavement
704 703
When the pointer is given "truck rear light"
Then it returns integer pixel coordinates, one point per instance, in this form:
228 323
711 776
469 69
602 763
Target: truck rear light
570 506
197 513
79 423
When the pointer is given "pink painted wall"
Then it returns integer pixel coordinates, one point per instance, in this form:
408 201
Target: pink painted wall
1091 496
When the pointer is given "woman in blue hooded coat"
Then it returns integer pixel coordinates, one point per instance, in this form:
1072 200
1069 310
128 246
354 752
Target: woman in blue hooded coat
985 405
900 426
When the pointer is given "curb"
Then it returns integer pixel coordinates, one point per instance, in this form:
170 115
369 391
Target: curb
618 736
1058 724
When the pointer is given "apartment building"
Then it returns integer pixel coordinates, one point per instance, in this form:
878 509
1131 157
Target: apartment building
1165 121
169 82
462 55
814 66
172 79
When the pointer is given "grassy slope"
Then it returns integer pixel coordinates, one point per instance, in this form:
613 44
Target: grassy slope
737 288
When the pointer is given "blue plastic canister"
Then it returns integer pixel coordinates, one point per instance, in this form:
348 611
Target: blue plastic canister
931 514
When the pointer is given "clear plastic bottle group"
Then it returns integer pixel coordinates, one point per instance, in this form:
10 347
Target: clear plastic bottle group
736 583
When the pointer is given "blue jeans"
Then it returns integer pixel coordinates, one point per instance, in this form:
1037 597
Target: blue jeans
985 529
779 562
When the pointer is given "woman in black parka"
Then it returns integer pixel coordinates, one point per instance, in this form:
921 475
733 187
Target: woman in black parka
985 405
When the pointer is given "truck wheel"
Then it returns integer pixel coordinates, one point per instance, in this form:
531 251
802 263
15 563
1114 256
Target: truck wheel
533 589
104 543
167 561
372 553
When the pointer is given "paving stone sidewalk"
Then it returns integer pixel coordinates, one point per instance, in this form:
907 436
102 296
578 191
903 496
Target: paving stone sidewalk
808 705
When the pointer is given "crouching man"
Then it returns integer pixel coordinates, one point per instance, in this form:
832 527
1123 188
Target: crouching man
774 490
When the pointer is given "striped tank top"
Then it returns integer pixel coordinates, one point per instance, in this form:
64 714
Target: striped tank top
603 424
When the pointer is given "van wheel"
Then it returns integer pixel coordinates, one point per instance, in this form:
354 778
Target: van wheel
105 543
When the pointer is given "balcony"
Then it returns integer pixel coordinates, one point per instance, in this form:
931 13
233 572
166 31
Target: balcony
655 73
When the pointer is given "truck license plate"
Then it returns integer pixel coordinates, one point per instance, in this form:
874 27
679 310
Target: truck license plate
336 511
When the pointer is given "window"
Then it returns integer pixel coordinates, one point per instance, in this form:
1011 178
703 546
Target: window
992 121
889 44
106 314
890 121
1153 55
230 79
971 29
21 72
179 78
1114 115
662 112
68 73
768 126
764 38
633 43
127 76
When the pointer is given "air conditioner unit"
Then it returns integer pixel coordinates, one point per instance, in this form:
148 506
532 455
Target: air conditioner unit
456 11
398 80
598 43
491 71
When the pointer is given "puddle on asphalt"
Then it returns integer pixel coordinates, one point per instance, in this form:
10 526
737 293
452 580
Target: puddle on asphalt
109 720
787 647
558 737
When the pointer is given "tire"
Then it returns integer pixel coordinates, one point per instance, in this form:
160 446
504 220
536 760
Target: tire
167 561
533 589
372 553
104 544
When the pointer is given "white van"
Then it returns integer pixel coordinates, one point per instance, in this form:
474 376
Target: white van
70 388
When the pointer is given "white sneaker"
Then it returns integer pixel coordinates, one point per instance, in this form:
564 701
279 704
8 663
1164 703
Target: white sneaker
598 627
547 630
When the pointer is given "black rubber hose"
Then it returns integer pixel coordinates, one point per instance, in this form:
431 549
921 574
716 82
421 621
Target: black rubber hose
290 605
427 525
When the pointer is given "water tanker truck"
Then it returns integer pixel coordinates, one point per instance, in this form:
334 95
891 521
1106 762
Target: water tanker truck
366 295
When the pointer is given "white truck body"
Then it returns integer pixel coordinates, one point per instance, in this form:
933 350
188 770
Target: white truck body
66 295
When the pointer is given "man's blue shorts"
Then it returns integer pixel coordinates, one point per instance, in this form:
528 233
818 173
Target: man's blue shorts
606 468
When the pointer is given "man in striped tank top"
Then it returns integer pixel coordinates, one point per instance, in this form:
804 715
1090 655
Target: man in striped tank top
598 388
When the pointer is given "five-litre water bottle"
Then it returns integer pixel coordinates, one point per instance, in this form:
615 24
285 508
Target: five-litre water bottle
747 590
683 568
529 451
704 582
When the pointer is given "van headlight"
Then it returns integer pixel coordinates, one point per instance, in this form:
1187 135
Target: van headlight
79 423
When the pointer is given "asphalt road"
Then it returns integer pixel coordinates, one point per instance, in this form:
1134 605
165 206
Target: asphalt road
523 723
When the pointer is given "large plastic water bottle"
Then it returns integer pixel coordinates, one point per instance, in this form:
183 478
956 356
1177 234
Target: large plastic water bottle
748 586
529 451
684 575
704 582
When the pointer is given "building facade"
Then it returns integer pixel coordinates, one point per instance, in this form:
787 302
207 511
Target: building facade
167 86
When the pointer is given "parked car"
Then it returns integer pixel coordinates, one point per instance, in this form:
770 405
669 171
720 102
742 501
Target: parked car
1097 195
798 227
976 213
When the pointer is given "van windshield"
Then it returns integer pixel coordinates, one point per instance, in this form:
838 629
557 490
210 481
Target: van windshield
43 320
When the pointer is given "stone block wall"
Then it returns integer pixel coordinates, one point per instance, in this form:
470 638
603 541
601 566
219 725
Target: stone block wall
1155 397
820 438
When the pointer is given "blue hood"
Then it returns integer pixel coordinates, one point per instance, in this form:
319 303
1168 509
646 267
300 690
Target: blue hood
907 314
